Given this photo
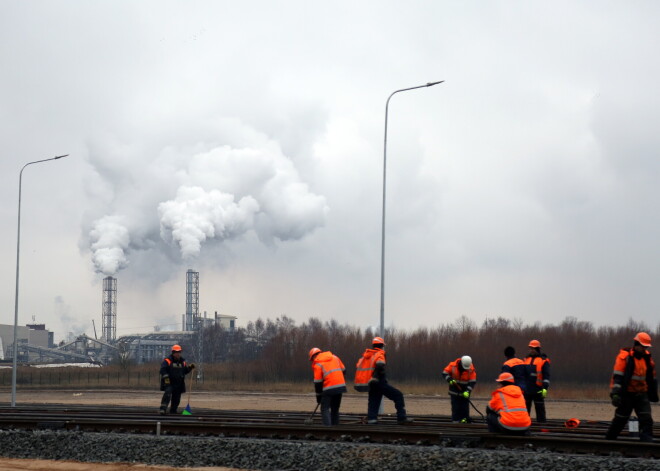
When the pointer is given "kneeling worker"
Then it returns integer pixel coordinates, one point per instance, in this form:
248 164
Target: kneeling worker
507 411
329 383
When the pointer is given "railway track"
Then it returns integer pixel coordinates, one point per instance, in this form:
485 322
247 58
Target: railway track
426 430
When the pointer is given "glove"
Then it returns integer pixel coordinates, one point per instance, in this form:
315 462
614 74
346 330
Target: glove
616 400
166 380
192 366
318 398
452 382
543 393
466 394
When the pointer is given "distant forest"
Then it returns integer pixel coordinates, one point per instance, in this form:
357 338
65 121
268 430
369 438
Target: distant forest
277 350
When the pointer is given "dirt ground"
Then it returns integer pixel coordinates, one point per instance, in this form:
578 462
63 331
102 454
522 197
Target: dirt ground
352 402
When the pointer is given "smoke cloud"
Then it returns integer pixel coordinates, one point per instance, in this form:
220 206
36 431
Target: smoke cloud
196 215
108 241
188 195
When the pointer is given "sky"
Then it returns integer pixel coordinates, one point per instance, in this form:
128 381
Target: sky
244 140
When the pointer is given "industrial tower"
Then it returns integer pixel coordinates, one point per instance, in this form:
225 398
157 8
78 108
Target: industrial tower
109 309
192 301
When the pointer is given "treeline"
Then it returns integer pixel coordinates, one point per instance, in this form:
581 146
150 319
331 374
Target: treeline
277 350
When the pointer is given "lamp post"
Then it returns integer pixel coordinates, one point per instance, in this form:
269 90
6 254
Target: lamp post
382 244
18 252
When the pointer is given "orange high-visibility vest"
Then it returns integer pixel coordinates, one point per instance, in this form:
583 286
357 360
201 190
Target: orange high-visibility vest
329 370
536 370
509 402
366 365
637 382
466 379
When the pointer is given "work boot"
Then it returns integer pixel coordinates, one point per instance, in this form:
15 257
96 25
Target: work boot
372 422
162 410
173 411
405 421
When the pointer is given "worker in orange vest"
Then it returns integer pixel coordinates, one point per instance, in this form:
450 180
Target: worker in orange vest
634 385
516 367
329 383
538 381
462 378
173 371
370 376
507 410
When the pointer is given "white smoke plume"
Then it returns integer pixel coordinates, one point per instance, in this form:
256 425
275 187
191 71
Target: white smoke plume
192 194
196 215
109 239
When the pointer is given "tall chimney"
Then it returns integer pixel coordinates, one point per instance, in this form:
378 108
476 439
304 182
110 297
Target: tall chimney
192 300
109 309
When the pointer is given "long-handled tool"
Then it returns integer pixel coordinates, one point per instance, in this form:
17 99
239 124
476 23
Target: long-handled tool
188 410
310 420
458 386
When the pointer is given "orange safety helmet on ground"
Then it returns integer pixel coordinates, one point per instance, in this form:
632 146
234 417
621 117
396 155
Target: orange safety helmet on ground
505 377
176 348
313 352
534 344
377 340
643 338
572 423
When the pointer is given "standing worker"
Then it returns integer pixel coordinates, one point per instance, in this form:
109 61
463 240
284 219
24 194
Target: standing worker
462 377
173 373
370 376
634 385
538 381
516 367
329 384
507 411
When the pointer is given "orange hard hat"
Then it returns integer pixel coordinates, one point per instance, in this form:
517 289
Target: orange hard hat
176 348
313 352
505 377
643 338
572 423
534 344
378 340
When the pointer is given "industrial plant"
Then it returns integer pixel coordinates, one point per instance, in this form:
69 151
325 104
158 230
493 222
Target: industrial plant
35 343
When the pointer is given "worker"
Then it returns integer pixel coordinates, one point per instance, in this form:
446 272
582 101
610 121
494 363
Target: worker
370 376
462 378
516 367
329 384
634 385
173 373
538 381
507 411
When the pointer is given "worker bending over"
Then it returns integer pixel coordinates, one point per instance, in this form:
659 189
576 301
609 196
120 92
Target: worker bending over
329 384
462 377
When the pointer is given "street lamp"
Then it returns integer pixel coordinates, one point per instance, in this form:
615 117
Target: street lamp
382 244
18 251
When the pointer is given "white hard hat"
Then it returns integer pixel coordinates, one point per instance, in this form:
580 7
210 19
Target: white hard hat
466 361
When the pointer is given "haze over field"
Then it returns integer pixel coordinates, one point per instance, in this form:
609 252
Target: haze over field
245 140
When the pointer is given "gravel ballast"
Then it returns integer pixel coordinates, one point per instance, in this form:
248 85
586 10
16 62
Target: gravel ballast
269 454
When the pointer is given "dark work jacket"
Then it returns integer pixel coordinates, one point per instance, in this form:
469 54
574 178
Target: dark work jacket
519 370
176 371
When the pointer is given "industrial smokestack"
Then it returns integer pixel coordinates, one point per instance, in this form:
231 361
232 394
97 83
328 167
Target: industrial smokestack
109 309
192 300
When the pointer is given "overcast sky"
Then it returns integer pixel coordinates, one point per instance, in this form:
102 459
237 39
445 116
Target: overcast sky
245 140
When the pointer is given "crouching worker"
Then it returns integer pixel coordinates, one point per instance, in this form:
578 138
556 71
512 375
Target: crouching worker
173 373
507 411
329 383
